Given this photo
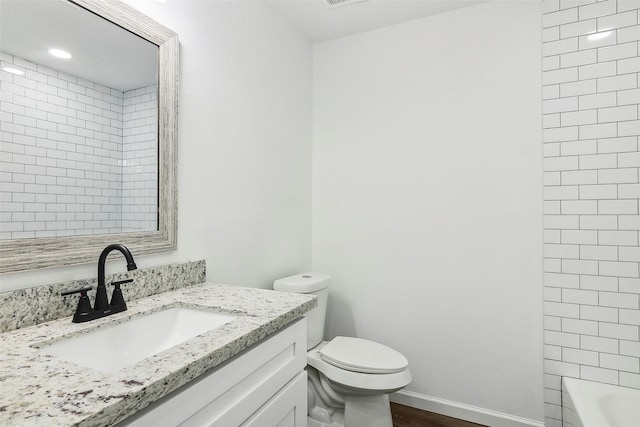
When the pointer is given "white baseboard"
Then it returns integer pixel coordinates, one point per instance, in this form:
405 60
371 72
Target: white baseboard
461 411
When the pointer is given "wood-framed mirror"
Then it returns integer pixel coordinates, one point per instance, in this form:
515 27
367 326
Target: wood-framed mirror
29 240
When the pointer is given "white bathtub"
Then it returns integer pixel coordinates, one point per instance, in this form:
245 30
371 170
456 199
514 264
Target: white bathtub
591 404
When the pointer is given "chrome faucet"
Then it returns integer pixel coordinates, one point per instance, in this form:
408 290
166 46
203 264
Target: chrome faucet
101 306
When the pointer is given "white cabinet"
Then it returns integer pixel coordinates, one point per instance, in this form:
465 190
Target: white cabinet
263 386
288 408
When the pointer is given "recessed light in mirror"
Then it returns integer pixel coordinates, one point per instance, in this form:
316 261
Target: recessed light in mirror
599 36
59 53
13 71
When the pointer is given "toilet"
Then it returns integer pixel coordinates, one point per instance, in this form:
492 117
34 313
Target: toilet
349 379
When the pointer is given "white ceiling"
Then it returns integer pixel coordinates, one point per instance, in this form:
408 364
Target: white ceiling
111 56
102 52
320 22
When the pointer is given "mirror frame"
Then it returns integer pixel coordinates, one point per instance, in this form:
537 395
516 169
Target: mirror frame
32 254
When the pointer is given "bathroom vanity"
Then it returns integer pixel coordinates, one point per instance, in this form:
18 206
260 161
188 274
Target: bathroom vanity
247 371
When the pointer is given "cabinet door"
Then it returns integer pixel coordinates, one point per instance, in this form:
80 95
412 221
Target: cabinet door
288 408
230 394
264 371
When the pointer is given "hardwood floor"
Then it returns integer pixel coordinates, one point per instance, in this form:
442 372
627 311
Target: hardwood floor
405 416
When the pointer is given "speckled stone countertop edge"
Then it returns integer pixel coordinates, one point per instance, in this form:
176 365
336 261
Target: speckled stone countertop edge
39 389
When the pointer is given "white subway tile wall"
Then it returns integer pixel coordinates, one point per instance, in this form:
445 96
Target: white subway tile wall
591 66
140 160
65 155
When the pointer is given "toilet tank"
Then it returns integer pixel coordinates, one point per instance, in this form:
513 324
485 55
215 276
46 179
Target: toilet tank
315 284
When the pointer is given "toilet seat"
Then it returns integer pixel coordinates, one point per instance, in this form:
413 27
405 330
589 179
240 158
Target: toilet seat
364 356
371 382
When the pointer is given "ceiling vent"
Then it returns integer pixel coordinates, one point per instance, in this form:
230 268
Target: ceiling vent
338 3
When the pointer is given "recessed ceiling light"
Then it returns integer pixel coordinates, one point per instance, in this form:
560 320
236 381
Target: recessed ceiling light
59 53
13 71
599 36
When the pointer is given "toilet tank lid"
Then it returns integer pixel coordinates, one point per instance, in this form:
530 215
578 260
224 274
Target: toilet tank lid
303 283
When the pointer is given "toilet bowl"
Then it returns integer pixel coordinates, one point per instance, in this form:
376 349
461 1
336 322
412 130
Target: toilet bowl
349 379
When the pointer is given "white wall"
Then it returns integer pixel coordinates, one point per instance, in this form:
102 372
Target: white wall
427 201
244 179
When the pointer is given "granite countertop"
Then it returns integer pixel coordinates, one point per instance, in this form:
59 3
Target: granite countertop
38 389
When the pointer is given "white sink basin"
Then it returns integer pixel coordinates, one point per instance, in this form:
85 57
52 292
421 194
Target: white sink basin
111 348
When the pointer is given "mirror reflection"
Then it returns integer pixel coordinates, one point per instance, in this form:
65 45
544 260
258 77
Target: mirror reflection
79 140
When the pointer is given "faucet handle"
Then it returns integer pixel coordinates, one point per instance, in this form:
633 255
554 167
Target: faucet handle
117 300
75 291
84 305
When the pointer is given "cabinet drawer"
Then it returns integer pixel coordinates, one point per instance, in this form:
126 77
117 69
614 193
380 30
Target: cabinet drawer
231 393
